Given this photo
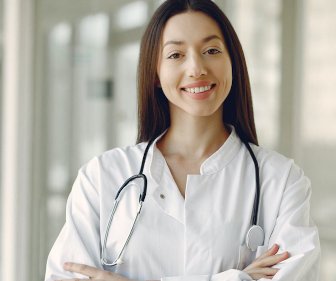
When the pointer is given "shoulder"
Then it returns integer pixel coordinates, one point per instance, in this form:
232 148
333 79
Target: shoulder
120 161
277 167
271 159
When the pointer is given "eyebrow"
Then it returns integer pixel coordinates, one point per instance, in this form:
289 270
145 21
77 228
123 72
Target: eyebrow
205 40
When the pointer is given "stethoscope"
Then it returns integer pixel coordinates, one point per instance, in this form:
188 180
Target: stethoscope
254 236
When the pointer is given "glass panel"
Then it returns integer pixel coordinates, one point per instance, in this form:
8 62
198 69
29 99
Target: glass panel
92 87
318 121
90 84
126 97
132 15
59 128
78 100
258 26
1 63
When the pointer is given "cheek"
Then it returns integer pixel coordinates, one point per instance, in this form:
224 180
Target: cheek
165 82
225 74
168 78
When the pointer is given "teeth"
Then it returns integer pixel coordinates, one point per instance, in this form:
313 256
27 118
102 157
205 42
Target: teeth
197 90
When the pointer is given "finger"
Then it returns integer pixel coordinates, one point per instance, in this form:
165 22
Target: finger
81 268
265 271
272 260
268 271
270 252
262 272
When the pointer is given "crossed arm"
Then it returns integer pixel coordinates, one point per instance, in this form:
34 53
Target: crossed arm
259 268
292 231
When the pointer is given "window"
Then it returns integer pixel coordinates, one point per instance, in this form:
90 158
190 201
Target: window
1 59
318 119
258 26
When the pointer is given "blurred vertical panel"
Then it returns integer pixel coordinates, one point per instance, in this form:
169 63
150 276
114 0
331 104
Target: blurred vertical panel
318 121
258 26
125 86
59 103
1 59
89 55
89 75
16 139
79 93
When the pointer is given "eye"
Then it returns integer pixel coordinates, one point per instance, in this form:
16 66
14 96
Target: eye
175 56
213 51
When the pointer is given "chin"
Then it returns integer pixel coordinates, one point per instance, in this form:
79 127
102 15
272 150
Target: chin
202 113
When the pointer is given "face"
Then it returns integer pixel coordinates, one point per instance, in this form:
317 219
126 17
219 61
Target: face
194 67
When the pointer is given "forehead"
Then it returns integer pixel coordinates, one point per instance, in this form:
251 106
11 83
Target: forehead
190 26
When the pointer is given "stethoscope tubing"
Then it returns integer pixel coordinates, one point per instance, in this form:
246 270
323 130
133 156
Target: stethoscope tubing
257 194
255 229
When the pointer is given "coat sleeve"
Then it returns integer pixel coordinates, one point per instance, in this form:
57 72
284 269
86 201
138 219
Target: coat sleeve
79 237
294 231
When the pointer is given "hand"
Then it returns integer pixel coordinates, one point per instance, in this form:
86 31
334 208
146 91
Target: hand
262 266
92 273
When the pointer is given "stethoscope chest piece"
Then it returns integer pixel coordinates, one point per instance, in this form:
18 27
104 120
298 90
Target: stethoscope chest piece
255 237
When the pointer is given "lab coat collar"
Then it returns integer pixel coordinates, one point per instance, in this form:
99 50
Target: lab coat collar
217 161
166 194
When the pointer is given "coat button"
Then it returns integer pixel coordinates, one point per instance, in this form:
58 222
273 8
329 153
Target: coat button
162 196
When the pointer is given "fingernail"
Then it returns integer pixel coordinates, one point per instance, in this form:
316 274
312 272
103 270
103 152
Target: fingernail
66 265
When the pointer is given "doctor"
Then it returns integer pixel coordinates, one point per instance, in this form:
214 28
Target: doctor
195 102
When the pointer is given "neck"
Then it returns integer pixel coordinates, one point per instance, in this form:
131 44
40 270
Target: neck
194 137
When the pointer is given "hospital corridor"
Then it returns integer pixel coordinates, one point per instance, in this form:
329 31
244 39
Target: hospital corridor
68 93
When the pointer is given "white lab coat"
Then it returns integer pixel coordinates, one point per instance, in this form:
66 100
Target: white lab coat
197 238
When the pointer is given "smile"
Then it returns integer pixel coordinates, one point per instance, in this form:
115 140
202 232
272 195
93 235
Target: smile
197 90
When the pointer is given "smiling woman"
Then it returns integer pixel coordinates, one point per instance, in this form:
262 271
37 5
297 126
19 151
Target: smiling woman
218 207
184 63
195 75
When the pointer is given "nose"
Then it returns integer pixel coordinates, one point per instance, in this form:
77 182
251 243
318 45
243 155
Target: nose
196 66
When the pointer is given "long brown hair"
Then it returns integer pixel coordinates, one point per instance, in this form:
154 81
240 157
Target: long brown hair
153 107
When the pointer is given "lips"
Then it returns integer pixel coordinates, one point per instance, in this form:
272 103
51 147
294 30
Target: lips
198 91
198 84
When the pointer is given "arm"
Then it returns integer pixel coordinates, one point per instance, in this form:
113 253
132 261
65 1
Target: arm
260 268
295 232
79 238
101 275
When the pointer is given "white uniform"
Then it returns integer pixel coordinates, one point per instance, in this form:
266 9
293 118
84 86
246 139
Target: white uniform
200 237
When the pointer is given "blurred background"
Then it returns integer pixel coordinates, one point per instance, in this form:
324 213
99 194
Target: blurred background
68 93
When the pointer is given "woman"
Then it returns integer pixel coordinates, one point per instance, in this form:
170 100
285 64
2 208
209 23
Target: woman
195 104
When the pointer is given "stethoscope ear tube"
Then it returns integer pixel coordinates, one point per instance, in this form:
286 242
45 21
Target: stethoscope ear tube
144 191
255 235
257 195
142 197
